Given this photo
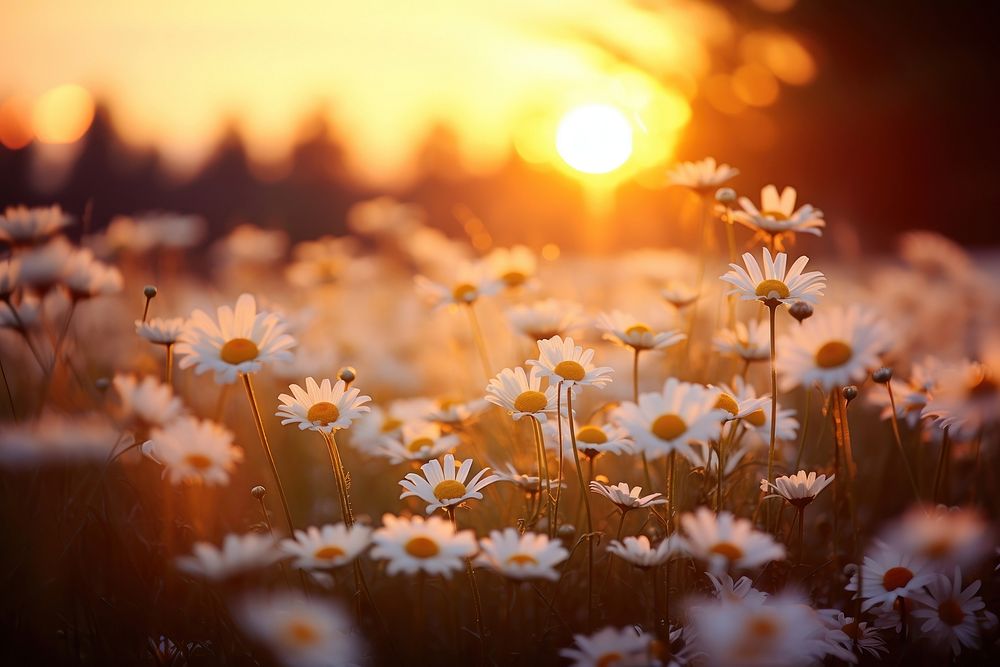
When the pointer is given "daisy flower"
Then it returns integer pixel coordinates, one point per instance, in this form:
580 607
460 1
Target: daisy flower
42 266
774 284
750 342
520 557
777 215
639 552
544 319
844 633
737 591
950 615
327 547
148 400
758 425
725 542
611 646
966 400
387 421
944 536
320 262
417 441
413 544
300 631
702 176
910 396
194 451
454 413
471 282
887 575
596 439
561 360
323 407
624 330
86 277
239 554
740 401
514 266
241 341
799 489
679 294
444 484
160 331
672 419
526 482
834 348
521 394
625 498
23 226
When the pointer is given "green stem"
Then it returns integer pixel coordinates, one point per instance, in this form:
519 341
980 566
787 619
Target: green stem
586 504
262 436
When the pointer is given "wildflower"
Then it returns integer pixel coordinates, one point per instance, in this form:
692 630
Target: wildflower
747 341
42 266
23 226
320 262
544 319
521 394
799 489
726 542
161 331
86 277
944 536
639 552
910 396
965 400
526 482
514 266
444 484
322 407
387 422
148 400
679 294
777 215
454 413
413 544
327 547
951 615
844 634
520 557
471 282
300 631
740 401
625 330
672 419
239 555
562 361
242 341
889 574
702 176
739 591
596 439
611 646
417 441
774 283
194 451
627 499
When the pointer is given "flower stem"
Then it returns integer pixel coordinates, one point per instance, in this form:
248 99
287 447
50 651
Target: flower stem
554 519
543 468
170 365
339 475
899 443
586 504
262 435
10 395
477 335
939 475
772 306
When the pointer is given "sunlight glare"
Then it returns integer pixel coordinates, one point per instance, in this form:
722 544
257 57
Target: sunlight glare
594 138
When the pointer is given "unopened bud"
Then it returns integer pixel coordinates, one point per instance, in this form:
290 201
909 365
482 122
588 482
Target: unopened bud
258 492
850 392
149 291
882 375
800 310
566 530
102 383
725 195
347 374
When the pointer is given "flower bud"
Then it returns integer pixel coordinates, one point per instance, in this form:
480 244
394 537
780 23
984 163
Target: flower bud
347 374
800 310
149 291
258 492
725 195
882 375
850 392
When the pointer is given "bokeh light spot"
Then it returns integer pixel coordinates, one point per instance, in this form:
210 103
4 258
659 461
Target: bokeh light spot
594 138
63 114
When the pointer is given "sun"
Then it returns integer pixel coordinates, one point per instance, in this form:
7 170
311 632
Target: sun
594 138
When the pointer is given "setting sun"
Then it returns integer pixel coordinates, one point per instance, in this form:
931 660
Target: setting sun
594 138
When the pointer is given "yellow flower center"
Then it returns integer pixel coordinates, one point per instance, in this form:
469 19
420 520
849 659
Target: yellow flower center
757 417
570 370
514 278
771 286
608 659
638 329
727 550
592 435
449 489
774 215
727 403
762 628
301 633
896 577
833 353
464 293
420 443
522 559
198 461
324 413
391 424
238 350
668 426
951 612
328 552
422 547
938 549
530 401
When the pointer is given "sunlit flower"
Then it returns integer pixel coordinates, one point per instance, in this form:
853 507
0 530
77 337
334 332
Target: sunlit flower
241 341
55 438
23 226
514 266
454 413
527 556
470 282
544 319
726 543
148 400
521 394
777 215
739 590
300 631
161 331
944 536
799 489
85 277
239 554
383 422
323 407
679 294
749 342
611 646
672 419
845 633
320 262
774 283
950 615
835 347
417 441
740 401
444 485
625 498
889 574
965 400
331 546
623 329
194 451
702 176
596 439
526 482
562 360
414 544
639 552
